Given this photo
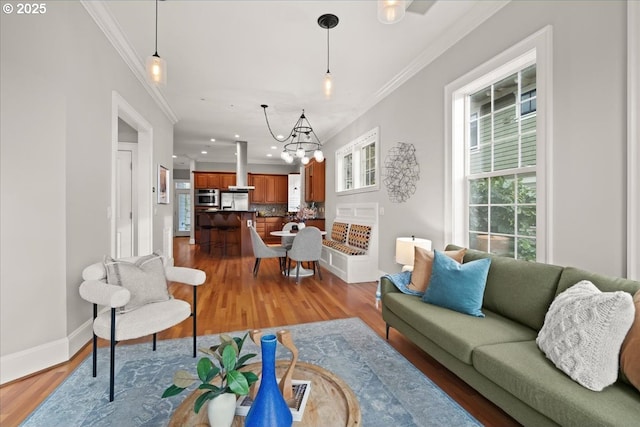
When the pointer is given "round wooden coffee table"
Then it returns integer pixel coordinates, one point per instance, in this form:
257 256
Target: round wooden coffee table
331 402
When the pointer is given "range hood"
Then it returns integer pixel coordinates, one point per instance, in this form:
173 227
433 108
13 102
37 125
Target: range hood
241 169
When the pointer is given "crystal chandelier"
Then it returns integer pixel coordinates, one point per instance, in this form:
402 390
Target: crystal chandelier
301 143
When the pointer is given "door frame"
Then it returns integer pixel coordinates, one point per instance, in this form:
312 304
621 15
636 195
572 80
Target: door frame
120 108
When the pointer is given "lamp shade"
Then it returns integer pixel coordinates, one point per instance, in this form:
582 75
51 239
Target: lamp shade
157 70
405 248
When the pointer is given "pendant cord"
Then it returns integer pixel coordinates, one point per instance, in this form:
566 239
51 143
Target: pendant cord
328 50
156 27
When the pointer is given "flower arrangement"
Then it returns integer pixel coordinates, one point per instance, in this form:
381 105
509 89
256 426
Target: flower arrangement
227 373
307 213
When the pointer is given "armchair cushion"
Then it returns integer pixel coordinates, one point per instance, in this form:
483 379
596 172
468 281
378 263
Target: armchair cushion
144 278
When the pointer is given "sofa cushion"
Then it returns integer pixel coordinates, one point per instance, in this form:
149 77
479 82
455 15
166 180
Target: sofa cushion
456 286
519 290
359 236
583 332
571 275
423 266
455 332
630 351
522 369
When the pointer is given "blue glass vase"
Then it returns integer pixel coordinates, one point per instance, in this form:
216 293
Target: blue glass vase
269 408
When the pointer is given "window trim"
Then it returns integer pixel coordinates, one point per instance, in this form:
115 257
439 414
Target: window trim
539 47
354 148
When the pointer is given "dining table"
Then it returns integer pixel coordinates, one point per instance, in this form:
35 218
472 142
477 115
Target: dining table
304 272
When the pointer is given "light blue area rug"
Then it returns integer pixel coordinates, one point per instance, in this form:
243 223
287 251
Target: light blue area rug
390 390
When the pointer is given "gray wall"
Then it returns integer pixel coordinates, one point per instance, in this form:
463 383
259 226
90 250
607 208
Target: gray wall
58 73
589 120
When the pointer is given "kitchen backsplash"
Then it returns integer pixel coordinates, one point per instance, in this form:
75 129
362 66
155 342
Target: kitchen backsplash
281 209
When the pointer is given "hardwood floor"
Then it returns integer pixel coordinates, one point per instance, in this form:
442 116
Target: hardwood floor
232 299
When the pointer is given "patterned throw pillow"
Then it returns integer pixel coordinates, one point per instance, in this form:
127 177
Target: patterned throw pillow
339 232
144 278
423 264
583 331
359 236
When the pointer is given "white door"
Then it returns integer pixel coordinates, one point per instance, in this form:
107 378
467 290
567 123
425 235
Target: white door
124 204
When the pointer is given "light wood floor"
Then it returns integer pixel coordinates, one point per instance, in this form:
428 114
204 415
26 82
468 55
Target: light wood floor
232 299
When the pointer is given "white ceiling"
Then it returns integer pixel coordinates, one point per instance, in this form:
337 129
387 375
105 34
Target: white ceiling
226 57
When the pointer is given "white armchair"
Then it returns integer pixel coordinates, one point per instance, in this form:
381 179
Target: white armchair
117 324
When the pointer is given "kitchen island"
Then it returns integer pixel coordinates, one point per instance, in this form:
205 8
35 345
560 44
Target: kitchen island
235 224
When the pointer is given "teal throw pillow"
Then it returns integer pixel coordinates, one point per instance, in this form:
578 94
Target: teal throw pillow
456 286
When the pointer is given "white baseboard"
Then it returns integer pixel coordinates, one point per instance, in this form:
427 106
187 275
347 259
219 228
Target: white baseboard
26 362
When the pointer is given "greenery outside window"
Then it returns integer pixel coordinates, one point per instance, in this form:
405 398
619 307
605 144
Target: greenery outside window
357 164
498 133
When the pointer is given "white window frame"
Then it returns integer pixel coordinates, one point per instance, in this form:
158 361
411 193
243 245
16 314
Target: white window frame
539 47
355 148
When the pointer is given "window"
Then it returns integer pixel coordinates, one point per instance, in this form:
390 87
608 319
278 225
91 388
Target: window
497 181
357 164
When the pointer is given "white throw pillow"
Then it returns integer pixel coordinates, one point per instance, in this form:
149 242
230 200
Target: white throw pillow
583 332
144 278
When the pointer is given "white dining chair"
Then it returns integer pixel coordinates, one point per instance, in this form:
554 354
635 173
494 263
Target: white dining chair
307 246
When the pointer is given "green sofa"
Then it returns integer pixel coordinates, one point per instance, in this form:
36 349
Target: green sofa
497 355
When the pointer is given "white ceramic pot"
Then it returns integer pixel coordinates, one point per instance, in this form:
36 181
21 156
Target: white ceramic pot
221 410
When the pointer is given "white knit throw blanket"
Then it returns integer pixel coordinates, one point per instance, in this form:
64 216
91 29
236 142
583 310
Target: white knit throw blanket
583 332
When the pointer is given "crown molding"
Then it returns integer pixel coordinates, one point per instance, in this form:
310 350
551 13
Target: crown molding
482 11
110 27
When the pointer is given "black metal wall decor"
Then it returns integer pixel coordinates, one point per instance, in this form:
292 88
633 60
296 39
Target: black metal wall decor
402 172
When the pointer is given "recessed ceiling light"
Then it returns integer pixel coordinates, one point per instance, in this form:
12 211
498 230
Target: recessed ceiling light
213 140
203 152
273 147
174 156
269 155
279 136
237 136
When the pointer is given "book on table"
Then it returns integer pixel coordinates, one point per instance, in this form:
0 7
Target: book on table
301 390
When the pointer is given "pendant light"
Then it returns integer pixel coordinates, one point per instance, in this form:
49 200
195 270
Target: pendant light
156 66
328 21
391 11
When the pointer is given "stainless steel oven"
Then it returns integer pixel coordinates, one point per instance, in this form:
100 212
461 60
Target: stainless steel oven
209 197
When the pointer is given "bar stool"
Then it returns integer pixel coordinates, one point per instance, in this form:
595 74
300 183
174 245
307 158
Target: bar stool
205 231
226 224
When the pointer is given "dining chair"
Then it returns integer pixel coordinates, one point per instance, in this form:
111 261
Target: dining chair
307 246
261 250
286 241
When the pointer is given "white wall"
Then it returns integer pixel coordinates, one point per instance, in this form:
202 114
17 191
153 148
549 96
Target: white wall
58 73
589 130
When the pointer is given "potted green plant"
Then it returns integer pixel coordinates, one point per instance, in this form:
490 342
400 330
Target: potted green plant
220 376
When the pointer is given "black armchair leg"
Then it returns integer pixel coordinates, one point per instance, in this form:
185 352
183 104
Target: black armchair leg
155 336
112 369
195 310
387 325
95 343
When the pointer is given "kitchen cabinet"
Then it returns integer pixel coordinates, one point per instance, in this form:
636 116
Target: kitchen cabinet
221 180
314 181
265 225
269 189
318 223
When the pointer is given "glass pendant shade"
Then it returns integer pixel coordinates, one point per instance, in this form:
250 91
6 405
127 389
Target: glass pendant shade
319 156
300 152
157 70
327 84
391 11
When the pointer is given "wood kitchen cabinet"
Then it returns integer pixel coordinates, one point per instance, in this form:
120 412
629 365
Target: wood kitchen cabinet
265 225
317 222
314 181
269 189
221 180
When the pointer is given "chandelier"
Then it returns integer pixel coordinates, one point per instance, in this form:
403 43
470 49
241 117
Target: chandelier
301 143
